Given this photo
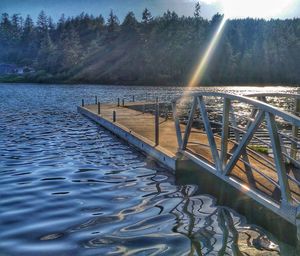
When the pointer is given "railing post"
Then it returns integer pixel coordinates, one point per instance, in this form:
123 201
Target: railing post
156 124
96 99
189 124
82 102
225 131
166 111
118 102
144 108
278 159
177 124
114 116
99 108
295 131
210 135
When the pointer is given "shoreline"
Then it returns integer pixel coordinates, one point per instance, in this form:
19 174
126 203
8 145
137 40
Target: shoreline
146 84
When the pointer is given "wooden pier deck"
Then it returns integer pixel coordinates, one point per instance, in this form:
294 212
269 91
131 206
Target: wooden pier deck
259 178
142 125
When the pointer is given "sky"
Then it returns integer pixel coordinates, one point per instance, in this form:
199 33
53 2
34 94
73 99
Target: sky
232 8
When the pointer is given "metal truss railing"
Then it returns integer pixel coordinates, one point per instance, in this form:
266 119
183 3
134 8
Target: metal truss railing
233 126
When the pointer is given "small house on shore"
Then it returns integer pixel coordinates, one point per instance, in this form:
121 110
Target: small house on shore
8 69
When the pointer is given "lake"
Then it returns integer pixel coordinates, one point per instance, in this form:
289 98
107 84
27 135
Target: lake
69 187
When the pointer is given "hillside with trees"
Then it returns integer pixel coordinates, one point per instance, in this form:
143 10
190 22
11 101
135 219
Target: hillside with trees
151 51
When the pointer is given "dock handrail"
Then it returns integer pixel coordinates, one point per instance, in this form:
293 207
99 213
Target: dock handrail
251 144
246 99
275 94
224 161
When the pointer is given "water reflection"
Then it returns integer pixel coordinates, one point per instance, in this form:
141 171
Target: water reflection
69 187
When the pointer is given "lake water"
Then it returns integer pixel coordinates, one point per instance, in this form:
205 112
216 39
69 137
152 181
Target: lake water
69 187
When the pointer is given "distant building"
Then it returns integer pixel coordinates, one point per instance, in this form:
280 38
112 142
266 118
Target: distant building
7 69
28 70
20 71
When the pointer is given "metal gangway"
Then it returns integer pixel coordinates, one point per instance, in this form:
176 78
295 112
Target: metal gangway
247 141
250 142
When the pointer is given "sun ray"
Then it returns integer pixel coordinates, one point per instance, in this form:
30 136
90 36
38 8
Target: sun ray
203 63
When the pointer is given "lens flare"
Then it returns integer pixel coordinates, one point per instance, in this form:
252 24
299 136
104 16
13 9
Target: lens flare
266 9
201 67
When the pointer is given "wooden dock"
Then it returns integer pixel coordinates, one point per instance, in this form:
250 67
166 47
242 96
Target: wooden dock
138 129
135 125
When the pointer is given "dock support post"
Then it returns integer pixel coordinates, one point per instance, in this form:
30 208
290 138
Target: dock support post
99 108
96 99
295 130
123 102
114 116
118 102
166 112
133 98
156 124
82 103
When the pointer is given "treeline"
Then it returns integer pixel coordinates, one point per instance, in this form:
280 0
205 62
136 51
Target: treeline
155 50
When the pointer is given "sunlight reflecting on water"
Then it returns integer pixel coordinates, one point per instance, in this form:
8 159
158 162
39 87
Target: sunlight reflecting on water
69 187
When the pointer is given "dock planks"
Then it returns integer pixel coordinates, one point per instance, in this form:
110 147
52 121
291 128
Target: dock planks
142 125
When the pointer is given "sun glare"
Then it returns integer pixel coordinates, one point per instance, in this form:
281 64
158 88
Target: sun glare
201 67
253 8
238 9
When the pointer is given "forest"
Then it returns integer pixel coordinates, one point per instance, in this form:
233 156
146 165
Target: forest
160 50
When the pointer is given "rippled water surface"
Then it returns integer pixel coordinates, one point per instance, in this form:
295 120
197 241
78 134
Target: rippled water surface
69 187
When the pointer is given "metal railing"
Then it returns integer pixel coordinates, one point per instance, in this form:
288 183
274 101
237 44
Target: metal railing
243 134
252 144
293 102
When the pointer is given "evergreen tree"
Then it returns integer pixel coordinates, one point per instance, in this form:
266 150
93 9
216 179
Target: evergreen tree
29 42
16 26
70 49
163 50
5 30
28 27
62 20
47 54
146 16
42 24
99 22
130 23
197 13
112 22
50 24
